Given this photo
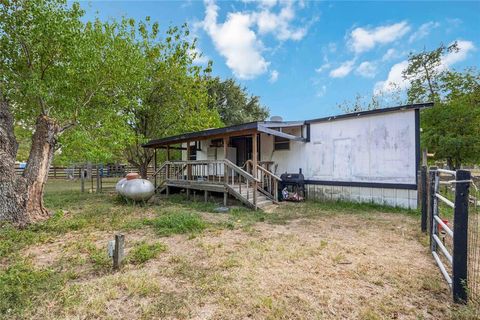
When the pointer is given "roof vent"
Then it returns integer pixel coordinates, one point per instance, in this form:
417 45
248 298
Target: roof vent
276 118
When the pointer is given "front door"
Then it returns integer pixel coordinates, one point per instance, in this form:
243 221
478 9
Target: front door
244 149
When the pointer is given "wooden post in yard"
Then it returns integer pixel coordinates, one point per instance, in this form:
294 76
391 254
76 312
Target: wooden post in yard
98 178
118 253
82 178
460 237
255 163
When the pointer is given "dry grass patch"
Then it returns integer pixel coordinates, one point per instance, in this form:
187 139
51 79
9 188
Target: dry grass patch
303 261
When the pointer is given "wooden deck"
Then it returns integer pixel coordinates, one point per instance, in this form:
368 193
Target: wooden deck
256 190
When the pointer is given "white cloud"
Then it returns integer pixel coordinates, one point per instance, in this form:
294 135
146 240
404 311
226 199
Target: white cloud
362 39
367 69
343 70
238 38
464 48
323 67
395 78
390 55
273 76
263 3
321 91
332 47
423 31
279 23
236 41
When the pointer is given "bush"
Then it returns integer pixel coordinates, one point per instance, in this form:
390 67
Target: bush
142 252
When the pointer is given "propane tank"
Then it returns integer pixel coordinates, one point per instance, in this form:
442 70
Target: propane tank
138 189
120 185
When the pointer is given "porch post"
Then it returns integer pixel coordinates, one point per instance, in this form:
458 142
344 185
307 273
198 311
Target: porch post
254 161
168 152
189 167
155 168
225 147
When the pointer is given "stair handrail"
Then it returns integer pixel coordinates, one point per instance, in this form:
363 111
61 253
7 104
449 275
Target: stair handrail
273 192
240 170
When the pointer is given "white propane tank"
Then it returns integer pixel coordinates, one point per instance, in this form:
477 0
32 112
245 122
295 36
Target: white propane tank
138 189
120 186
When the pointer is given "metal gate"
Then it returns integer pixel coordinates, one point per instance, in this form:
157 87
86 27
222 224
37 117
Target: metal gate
449 243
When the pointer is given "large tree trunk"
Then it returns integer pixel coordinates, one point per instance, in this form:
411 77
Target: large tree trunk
21 197
12 187
36 173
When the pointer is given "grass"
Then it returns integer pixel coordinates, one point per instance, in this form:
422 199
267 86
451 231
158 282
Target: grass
177 223
142 252
305 260
22 285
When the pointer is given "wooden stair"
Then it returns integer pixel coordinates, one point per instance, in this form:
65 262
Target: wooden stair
257 192
240 192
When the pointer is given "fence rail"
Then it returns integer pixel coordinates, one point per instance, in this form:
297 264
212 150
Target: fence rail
449 243
75 171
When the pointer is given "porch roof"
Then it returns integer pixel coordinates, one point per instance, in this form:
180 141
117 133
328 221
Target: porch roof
230 131
269 126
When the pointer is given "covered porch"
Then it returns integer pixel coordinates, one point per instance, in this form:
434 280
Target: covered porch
228 160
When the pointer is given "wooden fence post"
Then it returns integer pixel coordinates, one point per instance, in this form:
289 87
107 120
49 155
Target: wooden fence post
432 173
98 178
460 237
423 175
118 253
82 178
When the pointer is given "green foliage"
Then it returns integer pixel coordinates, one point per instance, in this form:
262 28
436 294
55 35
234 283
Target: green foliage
142 252
424 71
21 285
452 128
175 223
452 131
81 75
233 103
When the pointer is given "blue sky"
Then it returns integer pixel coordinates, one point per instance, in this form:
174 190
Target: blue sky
303 58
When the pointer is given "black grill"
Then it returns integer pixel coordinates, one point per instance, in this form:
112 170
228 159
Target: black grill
294 184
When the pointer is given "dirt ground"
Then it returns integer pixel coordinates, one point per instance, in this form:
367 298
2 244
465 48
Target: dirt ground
332 266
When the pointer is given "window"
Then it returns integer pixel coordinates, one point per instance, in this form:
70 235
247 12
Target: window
280 143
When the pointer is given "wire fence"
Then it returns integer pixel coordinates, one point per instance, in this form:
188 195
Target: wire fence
474 243
446 198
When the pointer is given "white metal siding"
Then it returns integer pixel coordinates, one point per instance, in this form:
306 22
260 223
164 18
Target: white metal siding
377 148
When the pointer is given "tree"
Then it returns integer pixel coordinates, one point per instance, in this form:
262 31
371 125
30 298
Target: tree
452 128
58 74
172 97
423 72
233 103
380 99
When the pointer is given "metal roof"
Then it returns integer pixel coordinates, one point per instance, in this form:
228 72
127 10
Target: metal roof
261 125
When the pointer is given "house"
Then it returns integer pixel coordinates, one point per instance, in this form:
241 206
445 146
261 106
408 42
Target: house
368 156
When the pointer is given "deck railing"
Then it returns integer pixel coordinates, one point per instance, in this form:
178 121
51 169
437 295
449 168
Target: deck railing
220 172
